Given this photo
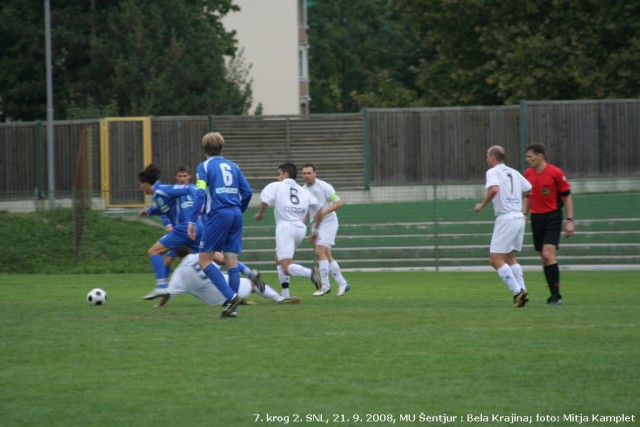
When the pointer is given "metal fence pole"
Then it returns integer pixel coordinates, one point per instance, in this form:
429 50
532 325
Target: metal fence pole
523 134
50 136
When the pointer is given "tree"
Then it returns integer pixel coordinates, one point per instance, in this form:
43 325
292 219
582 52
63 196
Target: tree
410 53
126 57
484 52
22 65
350 42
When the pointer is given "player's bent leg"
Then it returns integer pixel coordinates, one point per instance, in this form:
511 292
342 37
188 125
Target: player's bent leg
498 262
323 268
155 253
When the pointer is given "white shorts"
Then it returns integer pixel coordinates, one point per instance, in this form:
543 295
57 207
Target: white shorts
508 233
289 235
327 233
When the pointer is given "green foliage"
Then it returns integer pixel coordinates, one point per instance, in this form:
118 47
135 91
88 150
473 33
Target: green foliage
128 58
22 64
351 42
42 242
489 52
413 53
398 343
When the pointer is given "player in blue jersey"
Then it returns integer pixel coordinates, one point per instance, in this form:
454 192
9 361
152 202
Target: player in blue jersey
225 194
174 203
183 176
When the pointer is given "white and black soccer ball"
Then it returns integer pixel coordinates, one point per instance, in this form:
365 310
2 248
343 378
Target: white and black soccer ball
97 297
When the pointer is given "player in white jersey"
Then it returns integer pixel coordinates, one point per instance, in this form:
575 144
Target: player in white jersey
506 188
291 204
189 278
324 237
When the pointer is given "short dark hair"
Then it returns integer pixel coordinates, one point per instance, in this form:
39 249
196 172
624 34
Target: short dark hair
537 149
182 251
150 174
184 168
310 165
290 169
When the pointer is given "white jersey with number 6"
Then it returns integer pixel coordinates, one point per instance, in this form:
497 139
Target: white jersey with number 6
290 201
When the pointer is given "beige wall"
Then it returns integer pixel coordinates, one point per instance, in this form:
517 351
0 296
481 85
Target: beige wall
267 30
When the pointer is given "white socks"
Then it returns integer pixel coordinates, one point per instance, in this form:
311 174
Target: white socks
507 276
270 293
519 275
323 266
335 271
299 271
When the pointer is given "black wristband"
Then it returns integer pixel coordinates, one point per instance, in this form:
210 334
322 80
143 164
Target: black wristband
570 219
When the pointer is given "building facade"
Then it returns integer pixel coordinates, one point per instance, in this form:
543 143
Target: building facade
272 36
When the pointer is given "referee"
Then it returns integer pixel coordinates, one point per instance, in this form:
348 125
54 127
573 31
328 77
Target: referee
550 193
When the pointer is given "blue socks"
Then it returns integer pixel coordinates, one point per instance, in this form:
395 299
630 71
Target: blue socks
218 280
234 279
157 262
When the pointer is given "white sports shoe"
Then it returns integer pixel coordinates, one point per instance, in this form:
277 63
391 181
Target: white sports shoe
322 291
343 289
158 291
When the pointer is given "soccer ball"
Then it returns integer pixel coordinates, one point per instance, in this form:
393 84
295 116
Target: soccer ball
97 297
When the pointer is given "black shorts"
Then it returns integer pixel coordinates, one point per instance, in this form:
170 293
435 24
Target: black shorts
546 229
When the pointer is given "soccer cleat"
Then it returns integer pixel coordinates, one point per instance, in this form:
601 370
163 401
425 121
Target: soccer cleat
315 278
290 300
158 291
229 306
256 279
343 289
321 292
554 300
521 299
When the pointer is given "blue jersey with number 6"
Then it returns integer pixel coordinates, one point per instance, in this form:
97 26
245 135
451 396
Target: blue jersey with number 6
220 184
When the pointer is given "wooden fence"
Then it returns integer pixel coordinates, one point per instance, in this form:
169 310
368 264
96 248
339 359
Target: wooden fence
379 147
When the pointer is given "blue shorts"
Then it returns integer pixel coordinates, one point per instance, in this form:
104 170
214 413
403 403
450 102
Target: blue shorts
222 231
179 236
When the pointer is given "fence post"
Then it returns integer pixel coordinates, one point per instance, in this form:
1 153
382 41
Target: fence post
39 165
436 251
287 140
523 134
365 145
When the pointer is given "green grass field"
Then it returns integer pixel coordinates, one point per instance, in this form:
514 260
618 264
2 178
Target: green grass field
398 345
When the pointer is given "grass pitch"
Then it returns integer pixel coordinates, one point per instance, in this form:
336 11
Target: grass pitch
398 345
